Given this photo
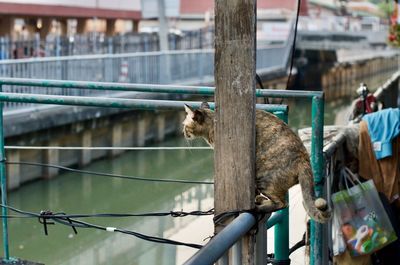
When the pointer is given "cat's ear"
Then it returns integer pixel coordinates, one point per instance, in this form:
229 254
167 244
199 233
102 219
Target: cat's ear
199 116
189 110
204 105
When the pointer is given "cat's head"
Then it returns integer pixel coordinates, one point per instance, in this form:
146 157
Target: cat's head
199 122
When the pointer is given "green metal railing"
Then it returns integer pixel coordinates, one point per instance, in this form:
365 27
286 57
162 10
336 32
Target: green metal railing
280 218
3 185
281 225
171 89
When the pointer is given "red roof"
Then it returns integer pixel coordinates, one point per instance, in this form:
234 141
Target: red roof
65 11
202 6
196 6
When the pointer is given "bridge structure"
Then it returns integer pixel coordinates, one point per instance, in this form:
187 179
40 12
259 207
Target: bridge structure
335 40
327 40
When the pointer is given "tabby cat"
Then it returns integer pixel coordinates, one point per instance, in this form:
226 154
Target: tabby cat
281 160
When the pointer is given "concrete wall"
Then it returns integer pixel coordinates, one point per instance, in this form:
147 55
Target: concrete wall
127 129
343 79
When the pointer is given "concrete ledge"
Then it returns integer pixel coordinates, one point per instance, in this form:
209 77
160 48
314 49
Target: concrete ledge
33 119
16 261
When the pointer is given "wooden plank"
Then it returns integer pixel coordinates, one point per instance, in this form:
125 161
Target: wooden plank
235 24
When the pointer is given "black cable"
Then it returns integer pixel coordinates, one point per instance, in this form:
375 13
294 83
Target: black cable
46 216
219 219
157 214
109 174
294 43
299 244
260 84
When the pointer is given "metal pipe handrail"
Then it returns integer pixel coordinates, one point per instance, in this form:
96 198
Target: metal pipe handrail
153 88
103 56
145 104
380 90
225 239
330 149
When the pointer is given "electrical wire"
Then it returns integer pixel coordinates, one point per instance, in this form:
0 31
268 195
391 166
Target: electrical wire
127 148
46 216
26 214
294 43
109 174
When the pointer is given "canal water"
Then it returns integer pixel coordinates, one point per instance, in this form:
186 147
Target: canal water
74 193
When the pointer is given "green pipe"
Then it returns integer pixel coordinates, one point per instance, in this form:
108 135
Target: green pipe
115 102
317 162
275 93
281 236
175 89
3 185
274 219
281 229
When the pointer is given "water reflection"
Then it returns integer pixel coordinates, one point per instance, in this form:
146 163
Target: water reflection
74 193
300 112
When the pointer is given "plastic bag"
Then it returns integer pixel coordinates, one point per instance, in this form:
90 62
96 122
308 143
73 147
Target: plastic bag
338 243
362 217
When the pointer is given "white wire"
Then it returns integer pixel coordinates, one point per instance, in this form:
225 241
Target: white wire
14 147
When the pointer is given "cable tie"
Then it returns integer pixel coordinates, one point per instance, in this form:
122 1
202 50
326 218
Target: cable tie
111 229
43 219
178 214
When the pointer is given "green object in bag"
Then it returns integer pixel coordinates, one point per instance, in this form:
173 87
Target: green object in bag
364 223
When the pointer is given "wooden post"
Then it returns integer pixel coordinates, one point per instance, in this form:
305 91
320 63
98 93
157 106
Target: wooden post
235 24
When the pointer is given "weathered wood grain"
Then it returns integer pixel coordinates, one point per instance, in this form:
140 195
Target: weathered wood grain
235 22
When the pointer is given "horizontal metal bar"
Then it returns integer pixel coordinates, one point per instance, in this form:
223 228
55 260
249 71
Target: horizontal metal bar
144 104
276 93
104 56
225 239
117 56
174 89
334 144
127 148
379 91
274 219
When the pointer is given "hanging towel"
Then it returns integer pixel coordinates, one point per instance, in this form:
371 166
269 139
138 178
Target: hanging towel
385 172
383 126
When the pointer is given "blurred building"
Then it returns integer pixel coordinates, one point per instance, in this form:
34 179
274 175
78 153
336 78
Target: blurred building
343 15
195 14
21 18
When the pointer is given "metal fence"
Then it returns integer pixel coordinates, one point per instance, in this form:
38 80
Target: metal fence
96 43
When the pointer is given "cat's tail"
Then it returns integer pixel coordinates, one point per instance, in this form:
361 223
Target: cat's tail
317 208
